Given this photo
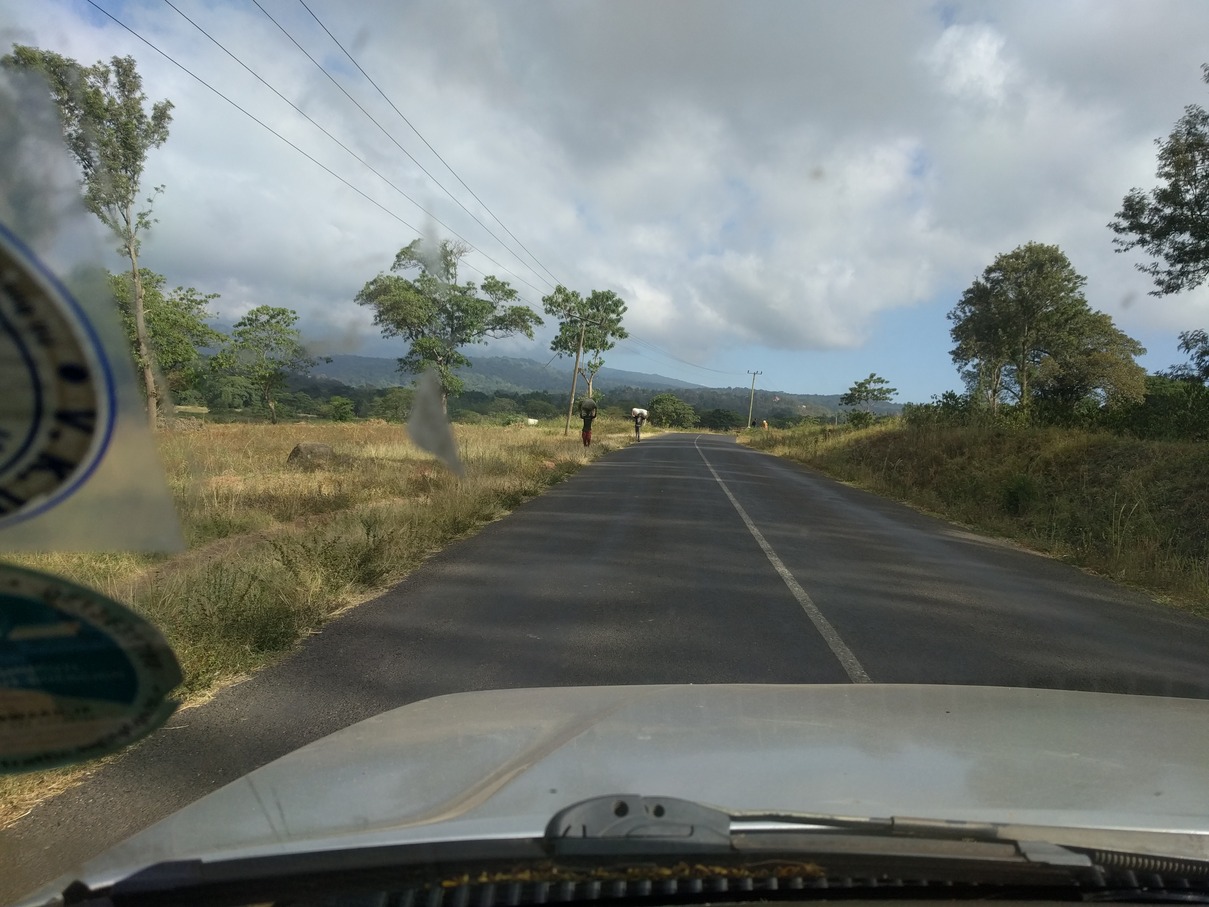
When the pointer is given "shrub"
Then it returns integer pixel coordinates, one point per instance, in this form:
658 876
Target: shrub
669 411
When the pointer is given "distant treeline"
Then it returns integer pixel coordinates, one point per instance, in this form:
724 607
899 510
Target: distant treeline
305 396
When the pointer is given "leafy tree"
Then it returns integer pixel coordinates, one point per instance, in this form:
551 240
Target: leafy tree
1092 364
224 391
298 403
109 131
541 409
721 420
1196 345
981 353
1171 223
264 347
438 315
502 404
176 329
670 411
873 389
394 405
341 409
1024 330
587 327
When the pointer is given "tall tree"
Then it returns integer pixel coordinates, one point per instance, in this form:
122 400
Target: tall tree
1013 316
109 131
874 389
265 347
177 331
1171 222
1024 331
1092 363
587 328
438 315
981 353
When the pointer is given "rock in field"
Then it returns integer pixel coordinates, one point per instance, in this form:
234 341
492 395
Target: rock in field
311 454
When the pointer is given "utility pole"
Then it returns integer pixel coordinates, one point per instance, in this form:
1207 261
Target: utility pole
752 402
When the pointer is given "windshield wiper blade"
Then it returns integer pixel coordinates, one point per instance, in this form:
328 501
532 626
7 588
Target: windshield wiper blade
628 823
654 826
627 840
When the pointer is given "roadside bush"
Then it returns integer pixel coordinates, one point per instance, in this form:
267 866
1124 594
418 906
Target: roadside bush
394 405
721 420
860 419
669 411
1173 409
341 409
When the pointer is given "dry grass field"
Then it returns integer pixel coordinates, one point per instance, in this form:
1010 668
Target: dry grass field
275 550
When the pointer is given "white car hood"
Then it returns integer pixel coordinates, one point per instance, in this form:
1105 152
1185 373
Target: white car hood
501 763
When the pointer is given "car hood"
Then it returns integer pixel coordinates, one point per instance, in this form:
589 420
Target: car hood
501 763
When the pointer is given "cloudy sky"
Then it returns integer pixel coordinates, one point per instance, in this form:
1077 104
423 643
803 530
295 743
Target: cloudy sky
800 188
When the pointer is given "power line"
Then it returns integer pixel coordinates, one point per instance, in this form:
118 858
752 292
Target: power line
252 116
350 151
426 142
395 142
662 352
637 340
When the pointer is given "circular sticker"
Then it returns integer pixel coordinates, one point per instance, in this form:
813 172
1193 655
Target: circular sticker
80 675
57 409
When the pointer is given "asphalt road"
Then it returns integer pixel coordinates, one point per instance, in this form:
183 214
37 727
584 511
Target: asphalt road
683 559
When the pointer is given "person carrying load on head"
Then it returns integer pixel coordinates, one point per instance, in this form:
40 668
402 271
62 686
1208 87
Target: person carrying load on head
639 416
587 412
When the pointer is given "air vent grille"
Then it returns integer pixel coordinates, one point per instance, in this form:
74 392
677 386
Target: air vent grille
516 894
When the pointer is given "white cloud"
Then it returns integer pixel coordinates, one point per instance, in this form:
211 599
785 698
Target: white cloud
774 175
969 62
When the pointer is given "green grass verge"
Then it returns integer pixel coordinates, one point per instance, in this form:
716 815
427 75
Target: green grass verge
1136 511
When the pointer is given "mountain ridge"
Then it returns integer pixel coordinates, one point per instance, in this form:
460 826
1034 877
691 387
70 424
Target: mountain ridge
516 375
490 373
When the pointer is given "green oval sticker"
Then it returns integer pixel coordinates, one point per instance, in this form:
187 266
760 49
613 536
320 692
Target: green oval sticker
80 674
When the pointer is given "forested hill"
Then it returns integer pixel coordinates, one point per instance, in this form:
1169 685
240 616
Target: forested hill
489 374
497 374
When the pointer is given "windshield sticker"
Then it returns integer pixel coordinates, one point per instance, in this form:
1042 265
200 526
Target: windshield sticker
56 414
79 469
80 674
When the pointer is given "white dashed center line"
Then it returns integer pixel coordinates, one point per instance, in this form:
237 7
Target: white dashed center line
848 661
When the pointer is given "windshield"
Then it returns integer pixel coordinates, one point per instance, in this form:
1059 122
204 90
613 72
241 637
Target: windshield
844 361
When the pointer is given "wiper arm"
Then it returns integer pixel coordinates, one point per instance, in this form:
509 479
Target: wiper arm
630 823
626 840
654 826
